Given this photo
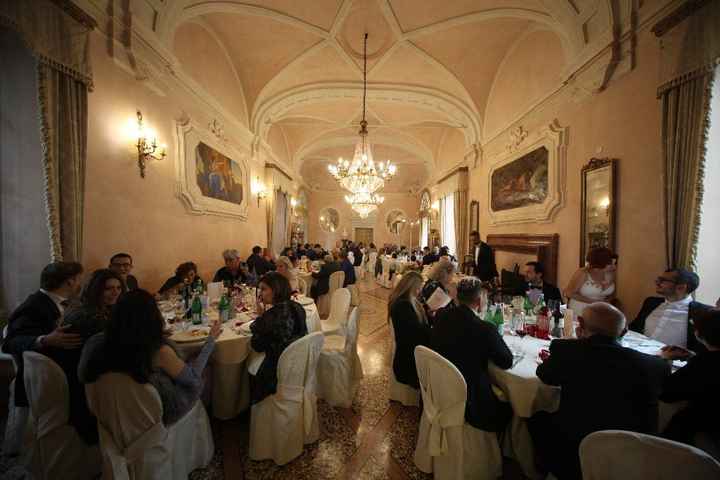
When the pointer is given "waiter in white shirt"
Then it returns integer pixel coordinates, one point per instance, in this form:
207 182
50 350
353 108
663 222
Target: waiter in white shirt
667 318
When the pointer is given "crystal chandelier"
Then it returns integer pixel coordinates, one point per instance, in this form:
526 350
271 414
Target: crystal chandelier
362 174
364 203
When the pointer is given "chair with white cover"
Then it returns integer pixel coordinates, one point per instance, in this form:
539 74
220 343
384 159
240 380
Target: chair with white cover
303 286
447 446
282 423
57 449
611 454
396 279
384 278
354 294
370 264
405 394
17 434
339 309
359 272
339 368
134 441
323 302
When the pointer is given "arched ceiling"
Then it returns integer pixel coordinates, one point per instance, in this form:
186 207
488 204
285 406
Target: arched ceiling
431 66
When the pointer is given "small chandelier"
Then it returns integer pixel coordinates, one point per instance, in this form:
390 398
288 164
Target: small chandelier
362 174
364 203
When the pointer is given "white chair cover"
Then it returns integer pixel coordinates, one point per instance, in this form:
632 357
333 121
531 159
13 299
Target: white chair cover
340 306
396 279
57 450
400 392
283 422
339 368
135 443
384 278
354 295
370 264
303 286
446 445
323 302
359 273
612 454
18 436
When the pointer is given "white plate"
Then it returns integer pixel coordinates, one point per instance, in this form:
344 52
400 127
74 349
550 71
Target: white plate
303 300
190 336
245 328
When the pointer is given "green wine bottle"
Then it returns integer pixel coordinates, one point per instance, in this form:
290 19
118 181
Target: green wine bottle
224 308
196 310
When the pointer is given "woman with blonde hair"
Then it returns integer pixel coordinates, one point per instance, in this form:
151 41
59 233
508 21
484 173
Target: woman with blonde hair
286 269
440 276
410 325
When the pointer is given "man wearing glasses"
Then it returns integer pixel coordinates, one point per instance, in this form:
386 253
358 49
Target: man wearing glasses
667 318
122 264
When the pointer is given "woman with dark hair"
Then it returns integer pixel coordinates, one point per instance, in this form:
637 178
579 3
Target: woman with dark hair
595 282
98 296
134 343
186 277
281 322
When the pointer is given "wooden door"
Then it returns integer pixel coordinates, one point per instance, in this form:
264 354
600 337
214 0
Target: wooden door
364 235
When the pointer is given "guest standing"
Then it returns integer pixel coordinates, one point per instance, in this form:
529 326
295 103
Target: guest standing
122 264
603 386
484 258
592 283
668 318
233 271
347 266
322 278
470 344
410 325
278 326
285 268
134 343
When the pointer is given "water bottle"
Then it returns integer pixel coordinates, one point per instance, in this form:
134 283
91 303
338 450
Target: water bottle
224 308
196 310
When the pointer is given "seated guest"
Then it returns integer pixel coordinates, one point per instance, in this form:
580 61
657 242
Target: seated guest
310 252
122 264
186 278
286 269
595 282
134 343
431 257
410 325
440 276
667 318
278 326
98 297
697 383
35 326
603 386
257 263
322 278
232 272
461 336
534 275
445 253
347 267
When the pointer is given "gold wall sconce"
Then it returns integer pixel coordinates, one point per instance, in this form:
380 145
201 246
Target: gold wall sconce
258 189
147 145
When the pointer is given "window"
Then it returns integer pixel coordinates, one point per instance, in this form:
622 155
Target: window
708 253
424 231
447 221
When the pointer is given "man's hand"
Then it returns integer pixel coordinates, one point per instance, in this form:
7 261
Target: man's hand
673 352
59 339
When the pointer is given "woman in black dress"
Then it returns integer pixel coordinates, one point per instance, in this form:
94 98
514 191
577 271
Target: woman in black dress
410 325
282 322
98 297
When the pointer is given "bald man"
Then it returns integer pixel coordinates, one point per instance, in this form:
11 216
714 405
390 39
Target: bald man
603 386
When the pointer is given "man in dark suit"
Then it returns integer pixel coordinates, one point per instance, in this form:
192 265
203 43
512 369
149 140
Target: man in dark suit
535 277
348 268
603 386
122 264
35 326
322 278
484 258
257 264
470 343
667 318
431 256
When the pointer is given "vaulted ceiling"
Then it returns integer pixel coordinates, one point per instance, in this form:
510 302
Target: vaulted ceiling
295 70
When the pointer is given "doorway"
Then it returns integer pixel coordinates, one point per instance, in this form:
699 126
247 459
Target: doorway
364 235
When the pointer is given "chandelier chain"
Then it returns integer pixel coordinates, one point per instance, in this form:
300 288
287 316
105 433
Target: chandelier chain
364 75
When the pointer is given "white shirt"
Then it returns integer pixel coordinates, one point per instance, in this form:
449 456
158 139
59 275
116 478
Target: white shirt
668 323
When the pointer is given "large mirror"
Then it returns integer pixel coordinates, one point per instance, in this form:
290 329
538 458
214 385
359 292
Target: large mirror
597 222
396 220
329 220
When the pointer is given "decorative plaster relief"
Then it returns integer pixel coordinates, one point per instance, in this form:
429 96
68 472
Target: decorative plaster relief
517 135
554 139
188 136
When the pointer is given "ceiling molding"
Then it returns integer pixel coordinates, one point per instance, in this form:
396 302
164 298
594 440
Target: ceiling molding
340 18
391 18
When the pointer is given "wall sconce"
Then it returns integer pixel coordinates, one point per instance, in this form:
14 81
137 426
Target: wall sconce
259 190
147 145
435 205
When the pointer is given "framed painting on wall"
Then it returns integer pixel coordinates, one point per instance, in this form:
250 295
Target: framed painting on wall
212 175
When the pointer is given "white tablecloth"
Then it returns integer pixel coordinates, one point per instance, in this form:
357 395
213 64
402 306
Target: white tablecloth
230 388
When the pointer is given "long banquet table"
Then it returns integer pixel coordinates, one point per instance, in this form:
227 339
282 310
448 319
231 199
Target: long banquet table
230 385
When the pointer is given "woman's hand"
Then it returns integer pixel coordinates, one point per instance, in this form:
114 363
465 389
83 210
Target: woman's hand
215 329
673 352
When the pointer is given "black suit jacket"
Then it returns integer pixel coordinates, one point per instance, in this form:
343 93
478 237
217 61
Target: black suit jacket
430 258
651 303
322 285
485 268
470 343
604 386
259 265
410 331
550 292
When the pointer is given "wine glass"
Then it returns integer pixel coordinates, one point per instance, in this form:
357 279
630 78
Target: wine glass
519 325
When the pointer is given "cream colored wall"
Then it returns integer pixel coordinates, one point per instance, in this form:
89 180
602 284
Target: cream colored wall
144 217
621 122
318 200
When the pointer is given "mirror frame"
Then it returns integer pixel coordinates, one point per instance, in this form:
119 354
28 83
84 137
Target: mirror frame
387 217
596 164
322 228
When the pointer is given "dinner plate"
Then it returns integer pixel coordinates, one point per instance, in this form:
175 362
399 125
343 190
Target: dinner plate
303 300
194 334
245 328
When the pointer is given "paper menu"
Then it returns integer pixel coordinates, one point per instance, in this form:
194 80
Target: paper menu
438 299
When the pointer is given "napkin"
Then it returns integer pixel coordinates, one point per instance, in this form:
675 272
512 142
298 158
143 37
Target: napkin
214 290
568 324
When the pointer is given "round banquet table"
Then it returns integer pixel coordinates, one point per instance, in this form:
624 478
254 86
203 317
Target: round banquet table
230 393
528 394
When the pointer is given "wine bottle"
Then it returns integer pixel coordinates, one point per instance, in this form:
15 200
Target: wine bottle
196 310
224 308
